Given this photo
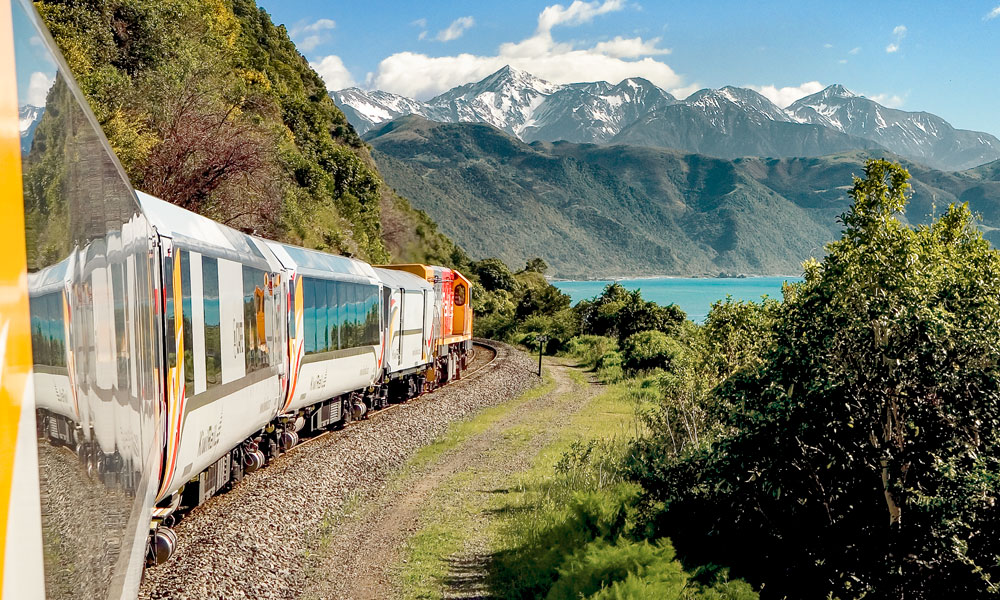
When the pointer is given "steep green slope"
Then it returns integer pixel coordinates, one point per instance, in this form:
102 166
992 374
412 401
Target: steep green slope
209 105
621 210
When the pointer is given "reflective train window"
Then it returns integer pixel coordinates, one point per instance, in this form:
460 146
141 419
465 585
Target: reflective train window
213 330
309 314
460 295
332 316
254 315
94 331
186 316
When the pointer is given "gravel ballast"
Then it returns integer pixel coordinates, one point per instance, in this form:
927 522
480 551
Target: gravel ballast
254 541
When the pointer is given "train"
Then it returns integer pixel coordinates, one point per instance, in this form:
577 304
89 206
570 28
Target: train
150 356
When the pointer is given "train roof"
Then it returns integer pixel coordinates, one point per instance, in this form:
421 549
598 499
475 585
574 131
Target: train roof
51 278
313 263
201 234
401 279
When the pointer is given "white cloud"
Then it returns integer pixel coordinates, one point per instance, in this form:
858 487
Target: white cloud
576 14
786 95
854 50
992 14
39 85
842 61
421 22
890 100
420 76
309 36
630 47
898 33
334 73
455 30
828 46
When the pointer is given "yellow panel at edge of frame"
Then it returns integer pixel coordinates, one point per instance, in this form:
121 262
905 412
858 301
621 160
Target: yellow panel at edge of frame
15 332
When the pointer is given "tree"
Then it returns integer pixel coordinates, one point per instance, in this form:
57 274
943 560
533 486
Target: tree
494 275
536 265
862 451
617 312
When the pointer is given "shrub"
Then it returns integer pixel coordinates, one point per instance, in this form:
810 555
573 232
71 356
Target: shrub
590 348
494 275
650 350
863 449
620 313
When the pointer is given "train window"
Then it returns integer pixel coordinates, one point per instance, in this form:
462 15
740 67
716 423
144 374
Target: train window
292 294
213 330
168 307
373 316
121 339
188 334
332 315
346 296
36 306
309 314
57 334
251 348
322 302
356 315
460 295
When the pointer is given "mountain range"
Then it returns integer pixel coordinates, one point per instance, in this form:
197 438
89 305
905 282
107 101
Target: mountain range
28 117
593 210
730 122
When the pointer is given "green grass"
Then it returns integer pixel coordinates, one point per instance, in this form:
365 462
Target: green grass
462 431
478 507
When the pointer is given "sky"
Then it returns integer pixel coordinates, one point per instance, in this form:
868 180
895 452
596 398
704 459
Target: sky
917 55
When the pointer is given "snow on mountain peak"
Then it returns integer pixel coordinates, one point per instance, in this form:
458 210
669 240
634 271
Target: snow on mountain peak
597 112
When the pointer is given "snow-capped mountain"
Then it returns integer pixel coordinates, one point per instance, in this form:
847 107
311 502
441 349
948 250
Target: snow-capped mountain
28 118
921 136
729 122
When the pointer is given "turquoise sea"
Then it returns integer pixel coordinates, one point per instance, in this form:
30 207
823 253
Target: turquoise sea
694 295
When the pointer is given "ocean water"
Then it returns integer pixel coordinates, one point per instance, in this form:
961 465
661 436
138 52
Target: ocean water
694 295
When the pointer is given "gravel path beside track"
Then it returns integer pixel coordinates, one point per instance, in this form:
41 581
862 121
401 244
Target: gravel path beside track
253 541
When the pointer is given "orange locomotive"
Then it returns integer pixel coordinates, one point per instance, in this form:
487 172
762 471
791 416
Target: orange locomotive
452 337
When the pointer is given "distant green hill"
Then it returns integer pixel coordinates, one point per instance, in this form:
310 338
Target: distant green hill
622 210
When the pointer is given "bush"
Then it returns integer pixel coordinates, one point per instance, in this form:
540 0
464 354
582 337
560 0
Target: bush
862 450
586 549
620 313
494 275
650 350
590 348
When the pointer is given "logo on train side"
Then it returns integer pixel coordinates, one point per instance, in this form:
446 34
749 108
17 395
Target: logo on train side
238 340
208 439
318 381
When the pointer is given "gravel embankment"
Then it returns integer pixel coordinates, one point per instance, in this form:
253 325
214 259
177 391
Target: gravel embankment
253 542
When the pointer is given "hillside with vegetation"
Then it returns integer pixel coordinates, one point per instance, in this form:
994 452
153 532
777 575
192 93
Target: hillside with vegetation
842 442
617 211
210 106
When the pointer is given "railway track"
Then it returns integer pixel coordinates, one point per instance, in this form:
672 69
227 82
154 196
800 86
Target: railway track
256 540
484 352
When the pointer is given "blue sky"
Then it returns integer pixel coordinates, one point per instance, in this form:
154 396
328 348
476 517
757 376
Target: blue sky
940 57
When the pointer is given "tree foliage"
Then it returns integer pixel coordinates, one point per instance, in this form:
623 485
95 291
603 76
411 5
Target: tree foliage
210 105
620 313
860 453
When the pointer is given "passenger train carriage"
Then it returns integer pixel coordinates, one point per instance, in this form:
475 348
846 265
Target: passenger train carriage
150 357
335 332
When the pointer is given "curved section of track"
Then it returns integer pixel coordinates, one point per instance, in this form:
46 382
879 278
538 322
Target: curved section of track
255 540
